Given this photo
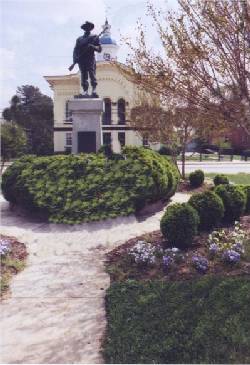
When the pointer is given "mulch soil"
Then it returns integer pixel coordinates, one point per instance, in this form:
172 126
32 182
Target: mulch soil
184 187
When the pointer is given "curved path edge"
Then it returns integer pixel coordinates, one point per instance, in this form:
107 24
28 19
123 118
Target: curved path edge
56 313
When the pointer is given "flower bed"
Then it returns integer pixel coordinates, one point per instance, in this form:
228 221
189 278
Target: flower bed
13 255
224 251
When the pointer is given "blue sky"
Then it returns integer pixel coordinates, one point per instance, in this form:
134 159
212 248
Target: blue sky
38 36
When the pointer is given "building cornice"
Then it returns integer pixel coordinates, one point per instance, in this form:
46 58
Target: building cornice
54 79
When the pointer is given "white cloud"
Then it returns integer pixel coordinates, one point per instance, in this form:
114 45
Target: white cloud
62 12
15 35
7 59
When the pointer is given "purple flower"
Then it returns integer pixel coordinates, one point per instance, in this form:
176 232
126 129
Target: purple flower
238 247
4 246
231 256
167 261
213 248
200 263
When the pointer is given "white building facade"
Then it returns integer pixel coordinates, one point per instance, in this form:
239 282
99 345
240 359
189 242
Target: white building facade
118 93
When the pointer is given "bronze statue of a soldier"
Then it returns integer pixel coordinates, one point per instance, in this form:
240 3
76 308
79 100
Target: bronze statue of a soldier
84 55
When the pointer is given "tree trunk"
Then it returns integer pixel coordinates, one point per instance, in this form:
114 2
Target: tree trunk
183 161
183 157
2 165
174 160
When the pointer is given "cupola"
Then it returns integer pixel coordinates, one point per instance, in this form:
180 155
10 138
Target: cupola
109 45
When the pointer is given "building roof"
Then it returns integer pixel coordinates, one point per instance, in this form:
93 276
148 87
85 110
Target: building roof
107 40
106 37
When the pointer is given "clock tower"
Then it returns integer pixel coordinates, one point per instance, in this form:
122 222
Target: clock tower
109 45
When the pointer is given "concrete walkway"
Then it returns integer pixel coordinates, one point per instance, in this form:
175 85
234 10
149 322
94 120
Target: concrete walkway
55 313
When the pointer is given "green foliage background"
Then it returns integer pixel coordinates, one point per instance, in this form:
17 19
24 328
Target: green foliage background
13 141
33 111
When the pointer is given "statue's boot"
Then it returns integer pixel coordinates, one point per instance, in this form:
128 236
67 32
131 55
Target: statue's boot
94 94
85 94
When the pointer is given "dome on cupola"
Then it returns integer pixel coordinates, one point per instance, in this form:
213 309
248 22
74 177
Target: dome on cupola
109 45
106 37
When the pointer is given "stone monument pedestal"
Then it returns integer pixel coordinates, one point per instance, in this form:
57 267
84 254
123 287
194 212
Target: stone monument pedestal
86 131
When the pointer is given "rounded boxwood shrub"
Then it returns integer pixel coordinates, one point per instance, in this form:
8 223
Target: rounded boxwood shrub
220 179
196 178
209 207
89 187
234 201
179 224
246 190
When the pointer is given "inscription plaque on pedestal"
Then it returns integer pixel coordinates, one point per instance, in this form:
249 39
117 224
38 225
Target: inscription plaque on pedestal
86 131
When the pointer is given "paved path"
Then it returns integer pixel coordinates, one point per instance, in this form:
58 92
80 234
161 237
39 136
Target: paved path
56 310
222 167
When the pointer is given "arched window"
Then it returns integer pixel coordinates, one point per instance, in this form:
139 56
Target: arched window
68 113
121 108
106 117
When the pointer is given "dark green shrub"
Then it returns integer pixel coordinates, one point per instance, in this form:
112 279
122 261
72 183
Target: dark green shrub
209 207
106 149
220 179
196 178
169 151
179 225
234 201
88 187
116 156
11 179
246 190
165 173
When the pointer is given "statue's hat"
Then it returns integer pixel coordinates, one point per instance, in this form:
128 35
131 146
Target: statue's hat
87 26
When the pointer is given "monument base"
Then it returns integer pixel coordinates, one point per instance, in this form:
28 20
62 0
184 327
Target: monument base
86 131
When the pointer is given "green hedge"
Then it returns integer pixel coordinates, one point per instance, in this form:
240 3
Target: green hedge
196 178
220 179
192 322
246 190
209 207
88 187
234 201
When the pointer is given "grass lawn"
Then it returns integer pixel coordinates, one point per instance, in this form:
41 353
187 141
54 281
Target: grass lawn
240 178
196 321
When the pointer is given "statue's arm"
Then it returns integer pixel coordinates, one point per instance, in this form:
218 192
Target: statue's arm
75 56
76 52
96 45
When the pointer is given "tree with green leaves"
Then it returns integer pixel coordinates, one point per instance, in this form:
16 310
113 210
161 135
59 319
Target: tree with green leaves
13 142
33 111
